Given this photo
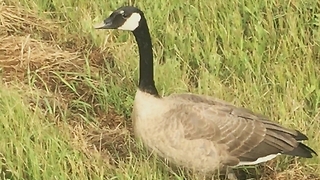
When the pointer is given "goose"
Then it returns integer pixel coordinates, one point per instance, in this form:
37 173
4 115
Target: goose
198 132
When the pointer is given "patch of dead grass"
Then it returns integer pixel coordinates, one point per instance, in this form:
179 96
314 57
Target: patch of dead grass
20 54
23 55
19 21
295 171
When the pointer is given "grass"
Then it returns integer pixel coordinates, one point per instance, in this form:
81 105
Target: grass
67 90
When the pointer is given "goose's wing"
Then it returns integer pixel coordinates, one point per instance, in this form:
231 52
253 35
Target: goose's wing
246 136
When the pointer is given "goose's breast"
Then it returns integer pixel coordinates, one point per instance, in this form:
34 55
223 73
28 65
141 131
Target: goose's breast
165 135
146 116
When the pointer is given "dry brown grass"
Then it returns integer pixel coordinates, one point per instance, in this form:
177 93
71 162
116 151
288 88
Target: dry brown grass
294 171
25 55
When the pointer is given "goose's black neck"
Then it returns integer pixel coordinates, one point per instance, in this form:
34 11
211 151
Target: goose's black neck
146 78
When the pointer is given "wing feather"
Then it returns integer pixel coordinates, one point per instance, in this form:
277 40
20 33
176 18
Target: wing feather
247 135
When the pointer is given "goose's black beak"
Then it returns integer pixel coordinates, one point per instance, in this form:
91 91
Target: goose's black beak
106 24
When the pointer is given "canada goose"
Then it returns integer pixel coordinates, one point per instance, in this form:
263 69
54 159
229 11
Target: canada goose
195 131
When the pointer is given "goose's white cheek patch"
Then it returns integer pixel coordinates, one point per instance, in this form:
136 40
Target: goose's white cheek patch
131 23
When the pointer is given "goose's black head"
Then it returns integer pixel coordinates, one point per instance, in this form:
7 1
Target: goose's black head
124 18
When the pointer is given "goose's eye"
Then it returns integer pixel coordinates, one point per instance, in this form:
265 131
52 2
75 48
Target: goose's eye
124 15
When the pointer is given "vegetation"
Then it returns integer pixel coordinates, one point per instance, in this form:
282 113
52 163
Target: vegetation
67 89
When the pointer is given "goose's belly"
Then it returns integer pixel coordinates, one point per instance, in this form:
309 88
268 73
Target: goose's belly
200 155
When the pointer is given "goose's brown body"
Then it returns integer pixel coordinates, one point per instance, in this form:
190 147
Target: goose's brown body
205 134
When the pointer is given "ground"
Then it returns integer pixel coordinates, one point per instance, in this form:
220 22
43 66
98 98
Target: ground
67 90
